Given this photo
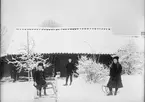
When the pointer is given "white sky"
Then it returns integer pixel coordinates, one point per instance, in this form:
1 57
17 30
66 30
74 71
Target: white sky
123 16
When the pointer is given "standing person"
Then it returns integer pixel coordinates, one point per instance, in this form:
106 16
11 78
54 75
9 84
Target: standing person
39 79
115 76
70 67
15 73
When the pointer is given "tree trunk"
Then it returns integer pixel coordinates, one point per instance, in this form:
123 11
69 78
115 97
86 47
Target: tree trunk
28 76
31 74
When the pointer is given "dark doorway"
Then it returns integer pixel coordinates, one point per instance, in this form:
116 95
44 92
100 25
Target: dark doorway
63 67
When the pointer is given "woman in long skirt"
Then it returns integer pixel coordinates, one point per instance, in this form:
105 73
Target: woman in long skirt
115 76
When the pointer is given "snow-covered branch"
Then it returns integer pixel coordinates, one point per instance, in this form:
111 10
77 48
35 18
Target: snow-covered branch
131 58
91 70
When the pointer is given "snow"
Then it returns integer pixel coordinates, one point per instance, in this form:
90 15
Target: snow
77 41
79 91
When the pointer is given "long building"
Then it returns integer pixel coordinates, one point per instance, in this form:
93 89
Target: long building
63 43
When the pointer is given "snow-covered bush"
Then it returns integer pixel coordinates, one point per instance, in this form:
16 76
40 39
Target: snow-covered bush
28 62
131 59
92 71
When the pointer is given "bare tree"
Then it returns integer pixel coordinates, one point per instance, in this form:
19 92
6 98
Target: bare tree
49 23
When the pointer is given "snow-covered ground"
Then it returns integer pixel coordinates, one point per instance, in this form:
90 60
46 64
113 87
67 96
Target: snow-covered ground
79 91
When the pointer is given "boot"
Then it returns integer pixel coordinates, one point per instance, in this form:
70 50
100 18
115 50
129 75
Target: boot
110 93
39 93
45 92
115 93
65 84
116 89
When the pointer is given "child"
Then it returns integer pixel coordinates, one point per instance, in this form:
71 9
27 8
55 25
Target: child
39 79
115 76
69 69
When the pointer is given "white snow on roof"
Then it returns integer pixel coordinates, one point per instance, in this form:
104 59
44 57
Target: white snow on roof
67 41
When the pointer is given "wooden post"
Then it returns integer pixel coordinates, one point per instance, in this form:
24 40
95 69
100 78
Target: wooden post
98 58
28 55
28 42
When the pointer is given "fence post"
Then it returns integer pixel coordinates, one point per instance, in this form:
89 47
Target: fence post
56 78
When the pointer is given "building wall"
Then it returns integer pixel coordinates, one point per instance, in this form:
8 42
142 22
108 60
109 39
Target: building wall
58 61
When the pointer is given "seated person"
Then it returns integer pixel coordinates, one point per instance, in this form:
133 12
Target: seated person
39 79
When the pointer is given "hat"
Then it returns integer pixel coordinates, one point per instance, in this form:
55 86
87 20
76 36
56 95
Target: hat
40 64
116 57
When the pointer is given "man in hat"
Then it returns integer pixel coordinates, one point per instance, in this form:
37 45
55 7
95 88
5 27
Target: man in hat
70 67
115 76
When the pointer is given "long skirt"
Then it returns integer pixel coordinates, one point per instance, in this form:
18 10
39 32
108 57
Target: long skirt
115 82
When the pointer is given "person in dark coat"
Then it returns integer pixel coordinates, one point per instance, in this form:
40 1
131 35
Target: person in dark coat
70 67
15 73
115 76
39 79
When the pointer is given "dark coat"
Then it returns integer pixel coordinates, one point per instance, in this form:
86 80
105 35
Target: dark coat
115 76
70 67
39 77
115 70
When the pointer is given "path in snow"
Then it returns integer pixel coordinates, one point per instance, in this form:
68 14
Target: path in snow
79 91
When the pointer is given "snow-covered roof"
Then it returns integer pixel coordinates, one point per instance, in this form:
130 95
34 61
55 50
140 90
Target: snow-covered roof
66 40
